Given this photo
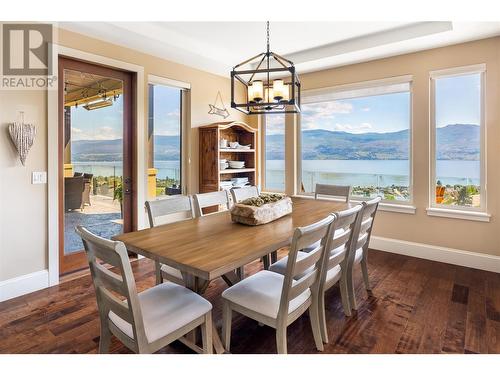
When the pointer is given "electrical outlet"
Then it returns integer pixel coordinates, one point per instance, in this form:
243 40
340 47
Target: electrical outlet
38 178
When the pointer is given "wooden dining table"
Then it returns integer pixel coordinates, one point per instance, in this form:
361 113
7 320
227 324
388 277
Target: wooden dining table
212 246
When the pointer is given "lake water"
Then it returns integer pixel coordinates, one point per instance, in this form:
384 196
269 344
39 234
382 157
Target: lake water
166 168
342 172
369 172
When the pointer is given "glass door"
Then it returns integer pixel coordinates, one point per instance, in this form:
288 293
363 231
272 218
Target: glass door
96 156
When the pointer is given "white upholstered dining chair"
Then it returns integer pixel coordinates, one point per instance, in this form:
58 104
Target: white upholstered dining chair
336 262
335 267
219 199
361 242
336 191
216 198
240 194
278 300
144 322
165 211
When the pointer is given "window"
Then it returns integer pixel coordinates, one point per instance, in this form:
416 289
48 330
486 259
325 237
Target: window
457 173
359 135
274 159
165 143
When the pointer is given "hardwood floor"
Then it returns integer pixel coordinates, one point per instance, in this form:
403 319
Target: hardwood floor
416 306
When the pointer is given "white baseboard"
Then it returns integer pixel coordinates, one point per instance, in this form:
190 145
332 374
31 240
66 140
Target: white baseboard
464 258
25 284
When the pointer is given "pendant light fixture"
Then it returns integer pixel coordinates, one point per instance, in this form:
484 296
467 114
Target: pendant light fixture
271 84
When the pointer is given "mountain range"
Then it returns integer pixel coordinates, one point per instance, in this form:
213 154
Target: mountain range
455 142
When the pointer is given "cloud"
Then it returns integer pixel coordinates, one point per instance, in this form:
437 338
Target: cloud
326 110
174 113
275 124
366 109
167 124
97 134
355 129
314 116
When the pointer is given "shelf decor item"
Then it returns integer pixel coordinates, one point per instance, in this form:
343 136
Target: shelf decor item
262 209
23 137
270 82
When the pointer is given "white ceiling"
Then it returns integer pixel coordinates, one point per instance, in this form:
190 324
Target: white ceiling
218 46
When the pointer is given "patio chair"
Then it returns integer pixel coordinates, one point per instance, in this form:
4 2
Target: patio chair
73 193
87 179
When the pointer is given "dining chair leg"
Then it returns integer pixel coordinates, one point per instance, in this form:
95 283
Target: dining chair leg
344 294
265 261
315 325
158 277
206 334
281 340
105 339
226 325
322 316
364 270
350 288
240 272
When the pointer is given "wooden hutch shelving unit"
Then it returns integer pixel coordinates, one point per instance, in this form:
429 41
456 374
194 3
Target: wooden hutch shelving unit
210 154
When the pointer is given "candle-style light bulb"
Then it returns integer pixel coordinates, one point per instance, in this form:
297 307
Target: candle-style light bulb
278 89
257 91
269 95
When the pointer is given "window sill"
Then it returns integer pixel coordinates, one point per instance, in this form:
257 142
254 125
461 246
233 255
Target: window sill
459 214
399 208
388 207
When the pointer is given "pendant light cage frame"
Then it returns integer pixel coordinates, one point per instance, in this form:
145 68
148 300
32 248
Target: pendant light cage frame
285 71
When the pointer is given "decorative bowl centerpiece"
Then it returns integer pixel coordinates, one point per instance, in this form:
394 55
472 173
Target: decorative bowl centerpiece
262 209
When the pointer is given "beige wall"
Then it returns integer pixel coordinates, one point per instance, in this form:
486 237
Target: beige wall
459 234
23 207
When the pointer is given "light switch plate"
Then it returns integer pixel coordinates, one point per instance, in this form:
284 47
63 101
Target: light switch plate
38 178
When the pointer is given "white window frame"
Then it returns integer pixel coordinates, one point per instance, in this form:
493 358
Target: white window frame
264 160
388 205
458 212
185 123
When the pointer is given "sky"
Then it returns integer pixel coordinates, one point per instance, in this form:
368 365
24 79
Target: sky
98 124
381 114
457 102
106 123
167 103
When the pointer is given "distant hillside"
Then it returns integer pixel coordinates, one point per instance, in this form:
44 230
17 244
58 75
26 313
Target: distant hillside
165 148
106 150
455 142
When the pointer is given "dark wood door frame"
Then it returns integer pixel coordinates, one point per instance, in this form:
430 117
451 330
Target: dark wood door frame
129 79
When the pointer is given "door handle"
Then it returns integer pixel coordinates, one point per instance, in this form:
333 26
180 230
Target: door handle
127 182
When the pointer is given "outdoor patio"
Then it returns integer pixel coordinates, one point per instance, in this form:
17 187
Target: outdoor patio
102 217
